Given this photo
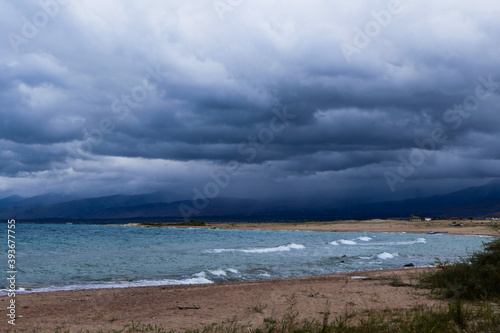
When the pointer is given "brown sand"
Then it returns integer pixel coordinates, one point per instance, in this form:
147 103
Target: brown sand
186 307
486 228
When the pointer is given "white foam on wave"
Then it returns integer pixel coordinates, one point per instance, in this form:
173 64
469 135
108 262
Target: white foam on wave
197 280
386 255
201 275
116 285
417 241
334 243
365 239
409 242
218 272
347 242
280 248
219 250
232 270
276 249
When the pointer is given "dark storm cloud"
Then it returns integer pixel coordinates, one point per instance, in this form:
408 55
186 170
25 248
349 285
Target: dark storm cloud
18 158
166 92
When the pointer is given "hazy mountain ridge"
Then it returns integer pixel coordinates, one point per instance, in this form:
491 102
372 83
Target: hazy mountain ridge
474 201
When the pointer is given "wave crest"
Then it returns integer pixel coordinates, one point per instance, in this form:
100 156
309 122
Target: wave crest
281 248
387 255
347 242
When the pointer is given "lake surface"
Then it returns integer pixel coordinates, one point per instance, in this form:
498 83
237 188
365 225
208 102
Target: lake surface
53 257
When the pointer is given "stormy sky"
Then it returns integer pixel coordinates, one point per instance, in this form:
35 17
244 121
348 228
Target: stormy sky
254 99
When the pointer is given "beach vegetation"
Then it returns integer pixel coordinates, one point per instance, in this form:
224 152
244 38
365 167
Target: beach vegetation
258 307
396 281
198 223
474 278
456 317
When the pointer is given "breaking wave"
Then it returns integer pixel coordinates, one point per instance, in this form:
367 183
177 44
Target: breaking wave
281 248
347 242
112 285
387 255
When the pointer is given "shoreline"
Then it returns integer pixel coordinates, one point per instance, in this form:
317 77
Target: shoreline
472 228
191 306
211 283
351 226
376 226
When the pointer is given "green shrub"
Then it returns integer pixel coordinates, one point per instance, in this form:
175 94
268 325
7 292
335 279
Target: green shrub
476 277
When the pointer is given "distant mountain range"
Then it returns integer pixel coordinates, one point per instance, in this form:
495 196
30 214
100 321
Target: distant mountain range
474 201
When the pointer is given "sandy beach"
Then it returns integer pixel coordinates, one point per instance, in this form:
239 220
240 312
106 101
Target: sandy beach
188 307
476 227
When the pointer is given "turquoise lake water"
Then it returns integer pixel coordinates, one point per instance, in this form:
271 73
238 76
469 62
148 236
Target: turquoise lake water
66 257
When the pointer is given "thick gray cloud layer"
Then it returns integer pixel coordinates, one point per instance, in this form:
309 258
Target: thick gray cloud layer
324 97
